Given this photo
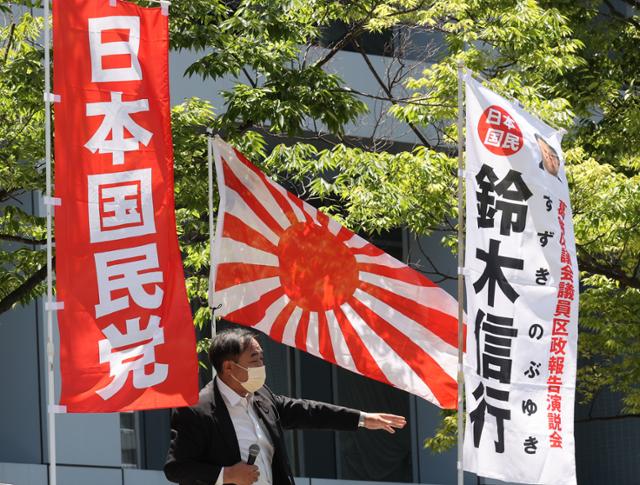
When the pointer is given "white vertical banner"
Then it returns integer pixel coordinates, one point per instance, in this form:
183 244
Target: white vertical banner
522 296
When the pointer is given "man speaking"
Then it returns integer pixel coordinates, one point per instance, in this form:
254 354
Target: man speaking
235 432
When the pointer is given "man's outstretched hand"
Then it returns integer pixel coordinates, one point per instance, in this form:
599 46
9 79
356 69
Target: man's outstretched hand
388 422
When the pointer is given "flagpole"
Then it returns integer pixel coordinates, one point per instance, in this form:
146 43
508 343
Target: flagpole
460 272
49 307
211 235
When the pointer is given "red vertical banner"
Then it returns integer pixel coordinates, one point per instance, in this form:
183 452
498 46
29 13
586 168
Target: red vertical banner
126 333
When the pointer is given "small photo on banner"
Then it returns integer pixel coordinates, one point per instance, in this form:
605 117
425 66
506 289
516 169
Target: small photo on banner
127 340
522 296
294 273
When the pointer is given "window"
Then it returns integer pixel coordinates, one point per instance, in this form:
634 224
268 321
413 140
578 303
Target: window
129 440
380 44
410 42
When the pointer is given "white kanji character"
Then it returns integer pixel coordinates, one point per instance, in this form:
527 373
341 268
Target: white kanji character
511 142
120 205
508 122
494 137
138 353
122 269
116 118
494 117
100 49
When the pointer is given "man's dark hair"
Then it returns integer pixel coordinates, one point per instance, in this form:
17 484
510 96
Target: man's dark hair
228 345
540 138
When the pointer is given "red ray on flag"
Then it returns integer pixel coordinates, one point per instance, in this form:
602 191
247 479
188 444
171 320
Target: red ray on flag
295 274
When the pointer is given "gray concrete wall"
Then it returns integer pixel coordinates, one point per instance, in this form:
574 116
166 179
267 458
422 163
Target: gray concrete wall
23 474
20 420
20 417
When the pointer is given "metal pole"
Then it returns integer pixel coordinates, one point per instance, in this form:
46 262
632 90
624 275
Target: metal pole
211 236
51 422
460 271
211 148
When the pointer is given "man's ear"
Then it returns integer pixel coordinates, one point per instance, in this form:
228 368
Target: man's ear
226 367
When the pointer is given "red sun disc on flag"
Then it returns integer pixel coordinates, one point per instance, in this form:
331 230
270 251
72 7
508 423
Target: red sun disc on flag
499 132
317 271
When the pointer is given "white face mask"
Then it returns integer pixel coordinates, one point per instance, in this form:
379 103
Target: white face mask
257 376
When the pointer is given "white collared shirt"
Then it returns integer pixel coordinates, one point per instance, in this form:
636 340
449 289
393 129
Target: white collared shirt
249 430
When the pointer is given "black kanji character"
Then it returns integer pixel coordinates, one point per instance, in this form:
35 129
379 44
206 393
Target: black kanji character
511 187
493 272
486 179
494 362
477 416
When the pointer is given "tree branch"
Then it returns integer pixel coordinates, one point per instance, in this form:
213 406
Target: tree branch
344 40
253 83
8 48
435 271
589 264
388 92
409 10
354 32
406 100
27 286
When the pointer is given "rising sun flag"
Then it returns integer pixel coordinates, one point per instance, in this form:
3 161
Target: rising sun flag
290 271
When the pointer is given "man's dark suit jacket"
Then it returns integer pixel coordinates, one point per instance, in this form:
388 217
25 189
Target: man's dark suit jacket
203 439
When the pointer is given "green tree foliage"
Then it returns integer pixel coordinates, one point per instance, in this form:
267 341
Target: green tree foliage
574 64
21 154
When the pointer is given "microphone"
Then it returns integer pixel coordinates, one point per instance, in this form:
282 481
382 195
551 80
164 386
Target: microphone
254 449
